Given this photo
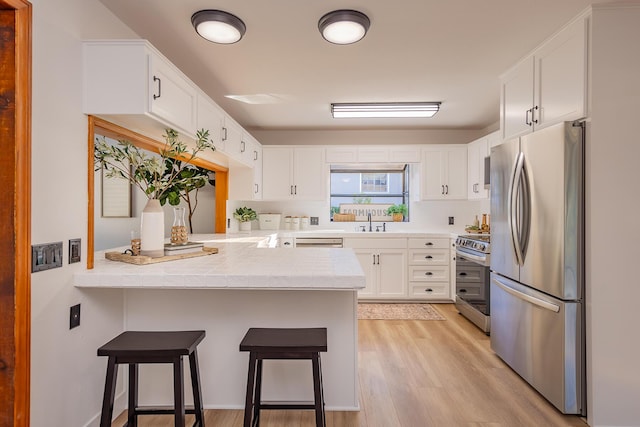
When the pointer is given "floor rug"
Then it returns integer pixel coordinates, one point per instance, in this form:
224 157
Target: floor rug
398 312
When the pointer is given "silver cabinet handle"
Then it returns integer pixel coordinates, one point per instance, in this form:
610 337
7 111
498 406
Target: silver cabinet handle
255 155
374 259
526 118
295 190
224 130
443 189
242 146
256 186
428 257
378 258
447 187
534 116
157 79
429 244
291 190
428 273
428 290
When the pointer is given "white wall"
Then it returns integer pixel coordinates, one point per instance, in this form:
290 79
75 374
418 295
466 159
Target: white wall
67 378
613 203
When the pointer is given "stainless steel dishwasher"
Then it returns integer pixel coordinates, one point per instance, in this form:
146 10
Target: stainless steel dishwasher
318 242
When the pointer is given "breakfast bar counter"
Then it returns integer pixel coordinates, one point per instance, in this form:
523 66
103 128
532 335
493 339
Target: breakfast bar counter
246 284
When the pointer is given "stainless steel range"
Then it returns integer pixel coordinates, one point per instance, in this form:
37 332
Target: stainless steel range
472 278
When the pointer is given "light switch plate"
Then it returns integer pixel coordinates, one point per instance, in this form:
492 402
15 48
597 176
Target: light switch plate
314 220
74 250
74 316
46 256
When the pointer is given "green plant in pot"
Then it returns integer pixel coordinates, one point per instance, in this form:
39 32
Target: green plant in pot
397 212
245 215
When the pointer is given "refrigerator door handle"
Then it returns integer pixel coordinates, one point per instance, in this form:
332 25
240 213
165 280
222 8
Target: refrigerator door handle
512 201
521 295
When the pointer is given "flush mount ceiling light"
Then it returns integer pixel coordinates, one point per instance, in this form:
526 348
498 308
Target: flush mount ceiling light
385 110
344 26
218 26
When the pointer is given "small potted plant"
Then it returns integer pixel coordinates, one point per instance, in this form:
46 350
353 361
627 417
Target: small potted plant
397 212
245 215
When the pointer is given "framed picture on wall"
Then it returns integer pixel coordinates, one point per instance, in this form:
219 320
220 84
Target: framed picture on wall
116 197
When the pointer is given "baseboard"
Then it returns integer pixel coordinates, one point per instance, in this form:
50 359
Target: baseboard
119 405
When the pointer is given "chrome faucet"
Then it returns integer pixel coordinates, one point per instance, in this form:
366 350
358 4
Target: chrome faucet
369 219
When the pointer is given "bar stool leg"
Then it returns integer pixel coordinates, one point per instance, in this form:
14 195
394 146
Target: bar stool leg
195 386
317 391
248 405
178 392
257 400
109 393
132 416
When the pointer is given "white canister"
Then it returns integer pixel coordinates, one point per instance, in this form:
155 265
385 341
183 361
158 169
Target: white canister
304 222
287 223
295 223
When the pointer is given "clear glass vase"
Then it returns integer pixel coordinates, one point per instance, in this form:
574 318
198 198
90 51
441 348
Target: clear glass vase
179 234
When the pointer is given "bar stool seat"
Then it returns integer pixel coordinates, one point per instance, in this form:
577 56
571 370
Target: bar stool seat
281 344
136 347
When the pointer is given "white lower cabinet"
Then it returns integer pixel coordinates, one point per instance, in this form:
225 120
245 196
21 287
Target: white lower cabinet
404 268
429 268
384 262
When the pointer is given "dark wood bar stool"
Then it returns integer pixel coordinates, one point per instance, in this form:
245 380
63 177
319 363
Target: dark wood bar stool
133 348
281 344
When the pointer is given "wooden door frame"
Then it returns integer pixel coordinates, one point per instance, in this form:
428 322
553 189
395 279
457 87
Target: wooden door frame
15 270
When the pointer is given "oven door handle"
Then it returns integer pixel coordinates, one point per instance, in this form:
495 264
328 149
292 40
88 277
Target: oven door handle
477 258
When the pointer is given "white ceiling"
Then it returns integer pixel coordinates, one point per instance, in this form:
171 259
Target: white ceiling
416 50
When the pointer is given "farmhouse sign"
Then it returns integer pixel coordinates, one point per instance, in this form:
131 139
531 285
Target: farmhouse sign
378 211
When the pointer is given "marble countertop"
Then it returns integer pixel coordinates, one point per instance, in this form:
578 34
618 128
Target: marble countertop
243 262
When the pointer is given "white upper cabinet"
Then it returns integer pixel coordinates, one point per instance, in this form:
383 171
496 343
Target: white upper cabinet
211 117
123 79
245 180
477 151
253 156
293 173
444 172
549 86
232 134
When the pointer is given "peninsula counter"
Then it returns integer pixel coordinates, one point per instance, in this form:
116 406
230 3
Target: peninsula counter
243 286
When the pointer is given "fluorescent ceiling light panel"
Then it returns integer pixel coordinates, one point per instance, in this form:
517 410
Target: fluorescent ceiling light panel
385 110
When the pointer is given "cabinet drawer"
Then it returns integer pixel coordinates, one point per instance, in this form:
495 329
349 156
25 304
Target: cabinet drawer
469 290
429 256
427 243
470 274
432 290
436 273
375 243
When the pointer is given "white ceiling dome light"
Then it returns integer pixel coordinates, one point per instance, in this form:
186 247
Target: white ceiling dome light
344 26
218 26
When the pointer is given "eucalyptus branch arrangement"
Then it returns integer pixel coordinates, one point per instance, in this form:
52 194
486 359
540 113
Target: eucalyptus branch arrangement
150 173
190 180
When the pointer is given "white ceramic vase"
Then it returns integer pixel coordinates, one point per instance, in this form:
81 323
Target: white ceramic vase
245 226
152 229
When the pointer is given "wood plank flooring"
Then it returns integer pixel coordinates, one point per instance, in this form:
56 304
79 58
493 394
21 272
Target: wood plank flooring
416 373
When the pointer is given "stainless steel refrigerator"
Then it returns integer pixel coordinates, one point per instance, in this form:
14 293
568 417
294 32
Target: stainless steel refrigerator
537 261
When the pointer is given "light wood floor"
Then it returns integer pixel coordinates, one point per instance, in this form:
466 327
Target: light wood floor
417 373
